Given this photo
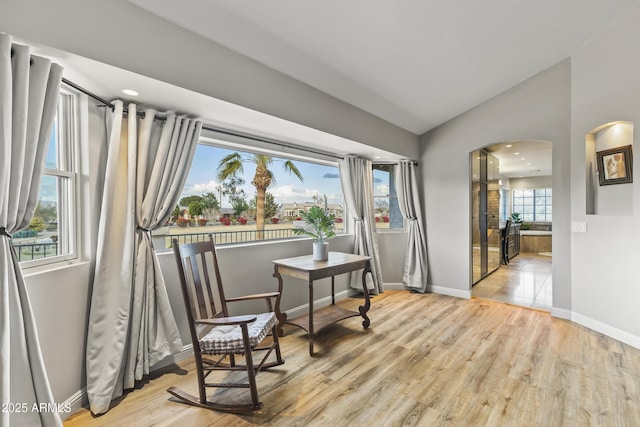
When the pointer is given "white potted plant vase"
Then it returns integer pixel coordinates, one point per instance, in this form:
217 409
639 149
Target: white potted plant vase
320 251
319 225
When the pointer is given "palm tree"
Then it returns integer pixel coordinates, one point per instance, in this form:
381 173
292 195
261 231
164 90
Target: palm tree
231 165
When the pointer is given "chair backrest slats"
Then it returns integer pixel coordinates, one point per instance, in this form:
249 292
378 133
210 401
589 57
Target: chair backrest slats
198 299
203 299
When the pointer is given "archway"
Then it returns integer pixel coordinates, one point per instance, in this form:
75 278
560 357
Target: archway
508 178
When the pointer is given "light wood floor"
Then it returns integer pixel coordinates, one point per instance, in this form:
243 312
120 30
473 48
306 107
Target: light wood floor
426 360
525 281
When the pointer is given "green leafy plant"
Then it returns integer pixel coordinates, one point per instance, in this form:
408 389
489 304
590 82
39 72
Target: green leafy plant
319 225
516 218
37 224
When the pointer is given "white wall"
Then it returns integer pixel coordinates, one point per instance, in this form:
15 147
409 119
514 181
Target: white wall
531 182
605 269
393 248
536 109
121 34
59 300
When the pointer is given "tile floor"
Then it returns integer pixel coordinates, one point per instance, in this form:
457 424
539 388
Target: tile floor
526 281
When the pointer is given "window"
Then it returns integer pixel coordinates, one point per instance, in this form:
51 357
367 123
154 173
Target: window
533 204
229 209
385 199
504 197
51 235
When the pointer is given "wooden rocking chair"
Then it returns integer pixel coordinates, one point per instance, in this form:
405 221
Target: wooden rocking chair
214 333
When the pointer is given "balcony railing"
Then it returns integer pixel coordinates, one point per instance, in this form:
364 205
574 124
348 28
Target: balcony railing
31 251
163 242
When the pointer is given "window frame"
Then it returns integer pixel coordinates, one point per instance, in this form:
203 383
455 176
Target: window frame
66 175
237 144
548 202
389 197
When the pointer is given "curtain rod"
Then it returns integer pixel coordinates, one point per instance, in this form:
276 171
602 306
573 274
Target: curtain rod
206 127
141 114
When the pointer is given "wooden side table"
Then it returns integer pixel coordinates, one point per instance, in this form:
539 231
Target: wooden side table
305 268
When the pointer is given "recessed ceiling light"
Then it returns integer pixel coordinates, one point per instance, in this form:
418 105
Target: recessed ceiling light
523 158
130 92
515 154
508 145
529 163
378 157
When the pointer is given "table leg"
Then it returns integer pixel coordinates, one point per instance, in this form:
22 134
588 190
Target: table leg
282 317
367 303
311 318
333 290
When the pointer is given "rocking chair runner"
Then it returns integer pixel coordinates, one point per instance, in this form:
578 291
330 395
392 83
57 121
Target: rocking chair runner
213 332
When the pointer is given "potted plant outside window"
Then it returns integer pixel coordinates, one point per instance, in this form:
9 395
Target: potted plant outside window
319 225
516 218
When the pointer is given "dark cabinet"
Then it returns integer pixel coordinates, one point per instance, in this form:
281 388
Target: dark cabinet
513 245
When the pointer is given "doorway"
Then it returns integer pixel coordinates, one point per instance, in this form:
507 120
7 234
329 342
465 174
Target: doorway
506 179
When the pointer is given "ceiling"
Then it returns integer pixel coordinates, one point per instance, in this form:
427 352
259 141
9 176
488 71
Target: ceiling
414 63
520 159
108 81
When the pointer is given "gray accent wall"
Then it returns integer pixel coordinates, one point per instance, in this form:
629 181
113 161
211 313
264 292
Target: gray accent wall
605 265
537 109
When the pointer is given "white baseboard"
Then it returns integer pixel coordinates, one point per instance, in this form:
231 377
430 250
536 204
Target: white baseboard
561 313
608 330
75 403
394 286
187 352
448 291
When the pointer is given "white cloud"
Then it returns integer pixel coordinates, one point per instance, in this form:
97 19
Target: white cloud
290 194
382 189
200 188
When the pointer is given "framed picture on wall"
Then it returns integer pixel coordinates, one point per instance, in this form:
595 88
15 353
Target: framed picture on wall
614 165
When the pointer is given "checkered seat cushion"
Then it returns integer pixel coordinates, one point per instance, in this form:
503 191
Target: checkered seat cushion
228 339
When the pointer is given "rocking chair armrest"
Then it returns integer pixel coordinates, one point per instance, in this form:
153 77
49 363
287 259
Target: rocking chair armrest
254 296
233 320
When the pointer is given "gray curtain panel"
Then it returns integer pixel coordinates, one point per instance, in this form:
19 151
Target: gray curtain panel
131 324
356 177
415 262
29 88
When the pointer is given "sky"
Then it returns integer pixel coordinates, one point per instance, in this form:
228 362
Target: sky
49 187
319 180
